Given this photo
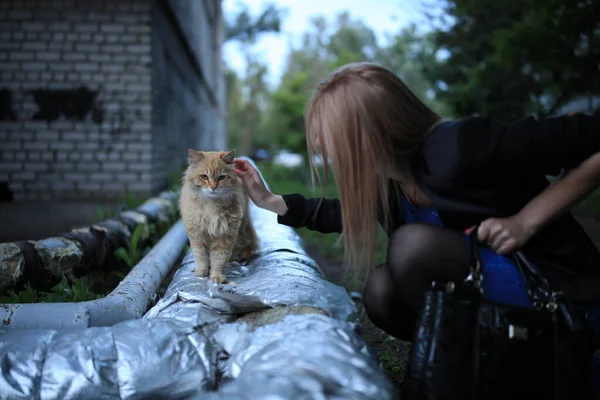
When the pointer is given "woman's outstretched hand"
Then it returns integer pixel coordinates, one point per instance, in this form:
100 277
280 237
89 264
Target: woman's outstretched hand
504 235
256 188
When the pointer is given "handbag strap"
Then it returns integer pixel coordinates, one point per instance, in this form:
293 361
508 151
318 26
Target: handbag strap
475 277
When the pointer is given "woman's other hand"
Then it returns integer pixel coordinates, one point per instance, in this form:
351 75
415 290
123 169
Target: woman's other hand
504 235
256 188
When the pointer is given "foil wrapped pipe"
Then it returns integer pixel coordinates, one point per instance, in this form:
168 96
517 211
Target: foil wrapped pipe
276 330
129 300
42 262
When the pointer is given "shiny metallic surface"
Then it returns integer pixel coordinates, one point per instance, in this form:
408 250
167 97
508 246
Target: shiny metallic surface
131 299
276 330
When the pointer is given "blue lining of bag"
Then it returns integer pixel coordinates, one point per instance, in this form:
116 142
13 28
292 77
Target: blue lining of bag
502 281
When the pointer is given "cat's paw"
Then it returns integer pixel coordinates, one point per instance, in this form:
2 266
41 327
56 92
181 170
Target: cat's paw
217 278
201 271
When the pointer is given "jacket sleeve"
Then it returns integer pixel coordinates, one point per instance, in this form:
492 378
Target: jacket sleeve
531 146
303 213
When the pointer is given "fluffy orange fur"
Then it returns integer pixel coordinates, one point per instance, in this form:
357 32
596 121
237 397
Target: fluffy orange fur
214 210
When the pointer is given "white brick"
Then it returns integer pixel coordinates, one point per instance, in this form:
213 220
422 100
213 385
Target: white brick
36 125
47 136
138 167
99 16
85 37
8 157
101 177
138 88
64 185
88 166
114 166
92 186
88 157
113 48
61 146
87 47
34 46
130 156
139 147
114 156
49 177
99 57
127 18
36 166
112 28
34 66
48 56
21 156
112 38
116 187
112 68
128 38
138 48
139 28
59 27
64 166
74 56
73 136
23 176
74 176
79 27
128 177
34 156
86 67
46 156
32 26
14 145
10 166
59 85
9 66
60 46
35 146
36 186
45 36
21 55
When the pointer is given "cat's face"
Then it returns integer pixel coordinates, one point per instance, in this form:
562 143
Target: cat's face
211 174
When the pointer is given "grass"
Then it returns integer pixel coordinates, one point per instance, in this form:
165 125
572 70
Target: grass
325 248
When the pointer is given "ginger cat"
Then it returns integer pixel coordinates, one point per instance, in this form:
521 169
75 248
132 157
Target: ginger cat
214 210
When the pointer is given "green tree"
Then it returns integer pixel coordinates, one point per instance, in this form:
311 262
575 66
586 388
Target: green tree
515 57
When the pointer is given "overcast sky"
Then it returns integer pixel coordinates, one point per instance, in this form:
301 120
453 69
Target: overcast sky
383 16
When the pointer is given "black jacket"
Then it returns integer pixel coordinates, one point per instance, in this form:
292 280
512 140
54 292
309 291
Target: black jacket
476 168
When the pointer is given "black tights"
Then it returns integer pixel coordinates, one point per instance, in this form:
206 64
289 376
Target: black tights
417 254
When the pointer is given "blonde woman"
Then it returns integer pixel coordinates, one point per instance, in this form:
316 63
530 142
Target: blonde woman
396 161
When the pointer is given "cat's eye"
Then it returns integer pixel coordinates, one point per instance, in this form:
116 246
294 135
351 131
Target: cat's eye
221 177
204 176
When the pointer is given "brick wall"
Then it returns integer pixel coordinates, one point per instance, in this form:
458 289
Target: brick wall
97 98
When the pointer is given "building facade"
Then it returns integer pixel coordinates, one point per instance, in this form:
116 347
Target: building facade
102 98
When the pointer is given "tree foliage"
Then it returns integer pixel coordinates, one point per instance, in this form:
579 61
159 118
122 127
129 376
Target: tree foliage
515 57
278 113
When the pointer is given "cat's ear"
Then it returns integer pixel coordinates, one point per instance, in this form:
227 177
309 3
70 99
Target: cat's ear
195 156
228 156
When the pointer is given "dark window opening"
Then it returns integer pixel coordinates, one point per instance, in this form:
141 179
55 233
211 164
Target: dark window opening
6 195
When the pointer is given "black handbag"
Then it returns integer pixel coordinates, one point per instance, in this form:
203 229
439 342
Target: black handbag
466 347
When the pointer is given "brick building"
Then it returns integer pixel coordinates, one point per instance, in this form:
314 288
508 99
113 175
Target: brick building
101 98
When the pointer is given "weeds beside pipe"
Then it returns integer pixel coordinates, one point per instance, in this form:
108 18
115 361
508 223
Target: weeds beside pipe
134 295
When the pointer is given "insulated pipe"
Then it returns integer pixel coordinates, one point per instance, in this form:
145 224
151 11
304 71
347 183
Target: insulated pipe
129 300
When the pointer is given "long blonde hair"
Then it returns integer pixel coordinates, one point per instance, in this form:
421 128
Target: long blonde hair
367 122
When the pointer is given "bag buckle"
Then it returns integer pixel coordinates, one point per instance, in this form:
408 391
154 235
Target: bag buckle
517 332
